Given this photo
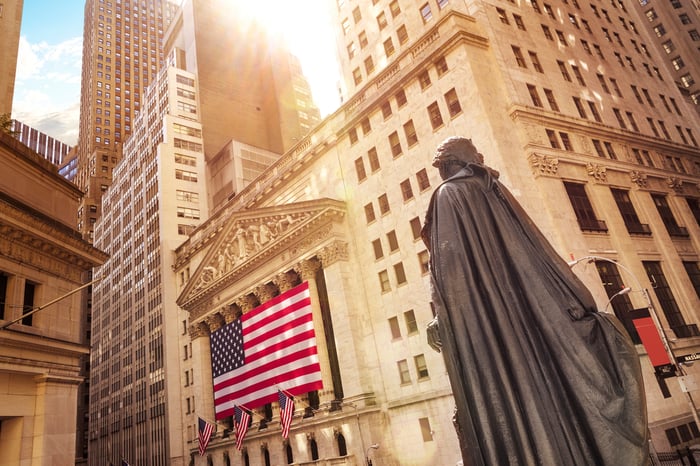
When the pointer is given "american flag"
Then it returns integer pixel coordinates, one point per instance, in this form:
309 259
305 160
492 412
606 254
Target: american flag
204 432
273 346
286 412
241 418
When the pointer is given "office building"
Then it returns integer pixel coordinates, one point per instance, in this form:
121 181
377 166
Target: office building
122 53
44 265
157 198
10 25
592 136
48 147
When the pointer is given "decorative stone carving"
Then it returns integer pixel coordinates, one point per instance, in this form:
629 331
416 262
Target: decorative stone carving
597 172
544 164
639 178
285 281
215 322
334 252
198 330
265 292
675 183
230 313
308 268
246 303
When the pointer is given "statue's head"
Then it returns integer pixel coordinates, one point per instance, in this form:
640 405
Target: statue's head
457 150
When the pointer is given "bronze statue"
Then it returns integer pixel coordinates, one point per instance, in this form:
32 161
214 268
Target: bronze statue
539 376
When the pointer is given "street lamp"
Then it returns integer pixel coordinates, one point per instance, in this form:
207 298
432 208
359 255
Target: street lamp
654 318
622 292
371 447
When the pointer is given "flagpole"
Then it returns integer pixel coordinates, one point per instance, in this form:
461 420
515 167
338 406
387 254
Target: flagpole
303 404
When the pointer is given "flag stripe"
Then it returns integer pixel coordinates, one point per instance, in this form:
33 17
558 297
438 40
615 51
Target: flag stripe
272 346
204 432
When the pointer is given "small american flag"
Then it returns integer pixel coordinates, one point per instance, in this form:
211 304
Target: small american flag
241 418
274 345
204 432
286 412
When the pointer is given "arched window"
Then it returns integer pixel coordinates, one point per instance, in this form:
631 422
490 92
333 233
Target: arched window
342 448
314 449
227 460
266 456
246 459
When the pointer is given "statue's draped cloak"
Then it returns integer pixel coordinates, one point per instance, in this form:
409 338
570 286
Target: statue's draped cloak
538 375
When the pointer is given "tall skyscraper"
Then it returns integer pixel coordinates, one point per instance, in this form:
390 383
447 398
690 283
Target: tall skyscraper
10 25
591 134
48 147
158 197
122 53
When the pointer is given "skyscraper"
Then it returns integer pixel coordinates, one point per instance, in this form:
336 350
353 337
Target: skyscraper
158 197
591 134
122 52
10 24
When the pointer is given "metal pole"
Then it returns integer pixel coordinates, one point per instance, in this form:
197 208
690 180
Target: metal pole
657 324
37 309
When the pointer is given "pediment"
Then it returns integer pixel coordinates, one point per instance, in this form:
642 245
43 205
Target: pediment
253 237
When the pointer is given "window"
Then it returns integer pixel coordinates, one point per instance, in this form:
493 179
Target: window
421 367
550 12
381 20
185 175
502 15
425 13
366 126
424 262
659 30
388 47
394 328
351 50
404 375
423 180
582 208
28 302
579 107
687 80
693 271
552 101
566 141
373 159
394 8
534 96
400 98
603 84
632 121
186 212
579 76
616 88
384 284
667 217
410 132
553 141
4 283
562 38
434 115
400 273
564 71
594 111
360 169
441 66
386 109
618 116
362 39
425 429
535 62
519 59
357 76
187 196
424 80
352 134
629 214
519 22
392 240
452 101
369 65
402 34
547 32
417 226
383 204
406 190
369 213
395 144
667 301
377 247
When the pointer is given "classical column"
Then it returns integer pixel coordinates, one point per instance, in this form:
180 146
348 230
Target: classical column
55 419
285 281
307 269
231 313
201 353
266 292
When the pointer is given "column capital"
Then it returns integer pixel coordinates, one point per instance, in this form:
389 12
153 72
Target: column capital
230 313
214 321
246 303
197 330
333 252
307 268
265 292
285 281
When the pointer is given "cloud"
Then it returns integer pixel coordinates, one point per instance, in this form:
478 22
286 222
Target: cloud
47 87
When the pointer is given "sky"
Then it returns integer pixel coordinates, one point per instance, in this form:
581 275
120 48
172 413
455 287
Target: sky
47 83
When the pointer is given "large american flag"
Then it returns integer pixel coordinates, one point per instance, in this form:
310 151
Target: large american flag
269 348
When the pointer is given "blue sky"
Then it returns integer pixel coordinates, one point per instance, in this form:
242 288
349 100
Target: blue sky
47 84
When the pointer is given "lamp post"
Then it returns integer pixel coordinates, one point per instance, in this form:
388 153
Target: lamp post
371 447
654 318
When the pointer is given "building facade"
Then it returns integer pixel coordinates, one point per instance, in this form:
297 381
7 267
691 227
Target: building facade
157 199
10 25
50 148
44 265
122 53
593 138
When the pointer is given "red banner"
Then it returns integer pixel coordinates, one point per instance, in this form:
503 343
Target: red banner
651 340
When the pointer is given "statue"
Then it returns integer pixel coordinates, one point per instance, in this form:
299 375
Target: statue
539 376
